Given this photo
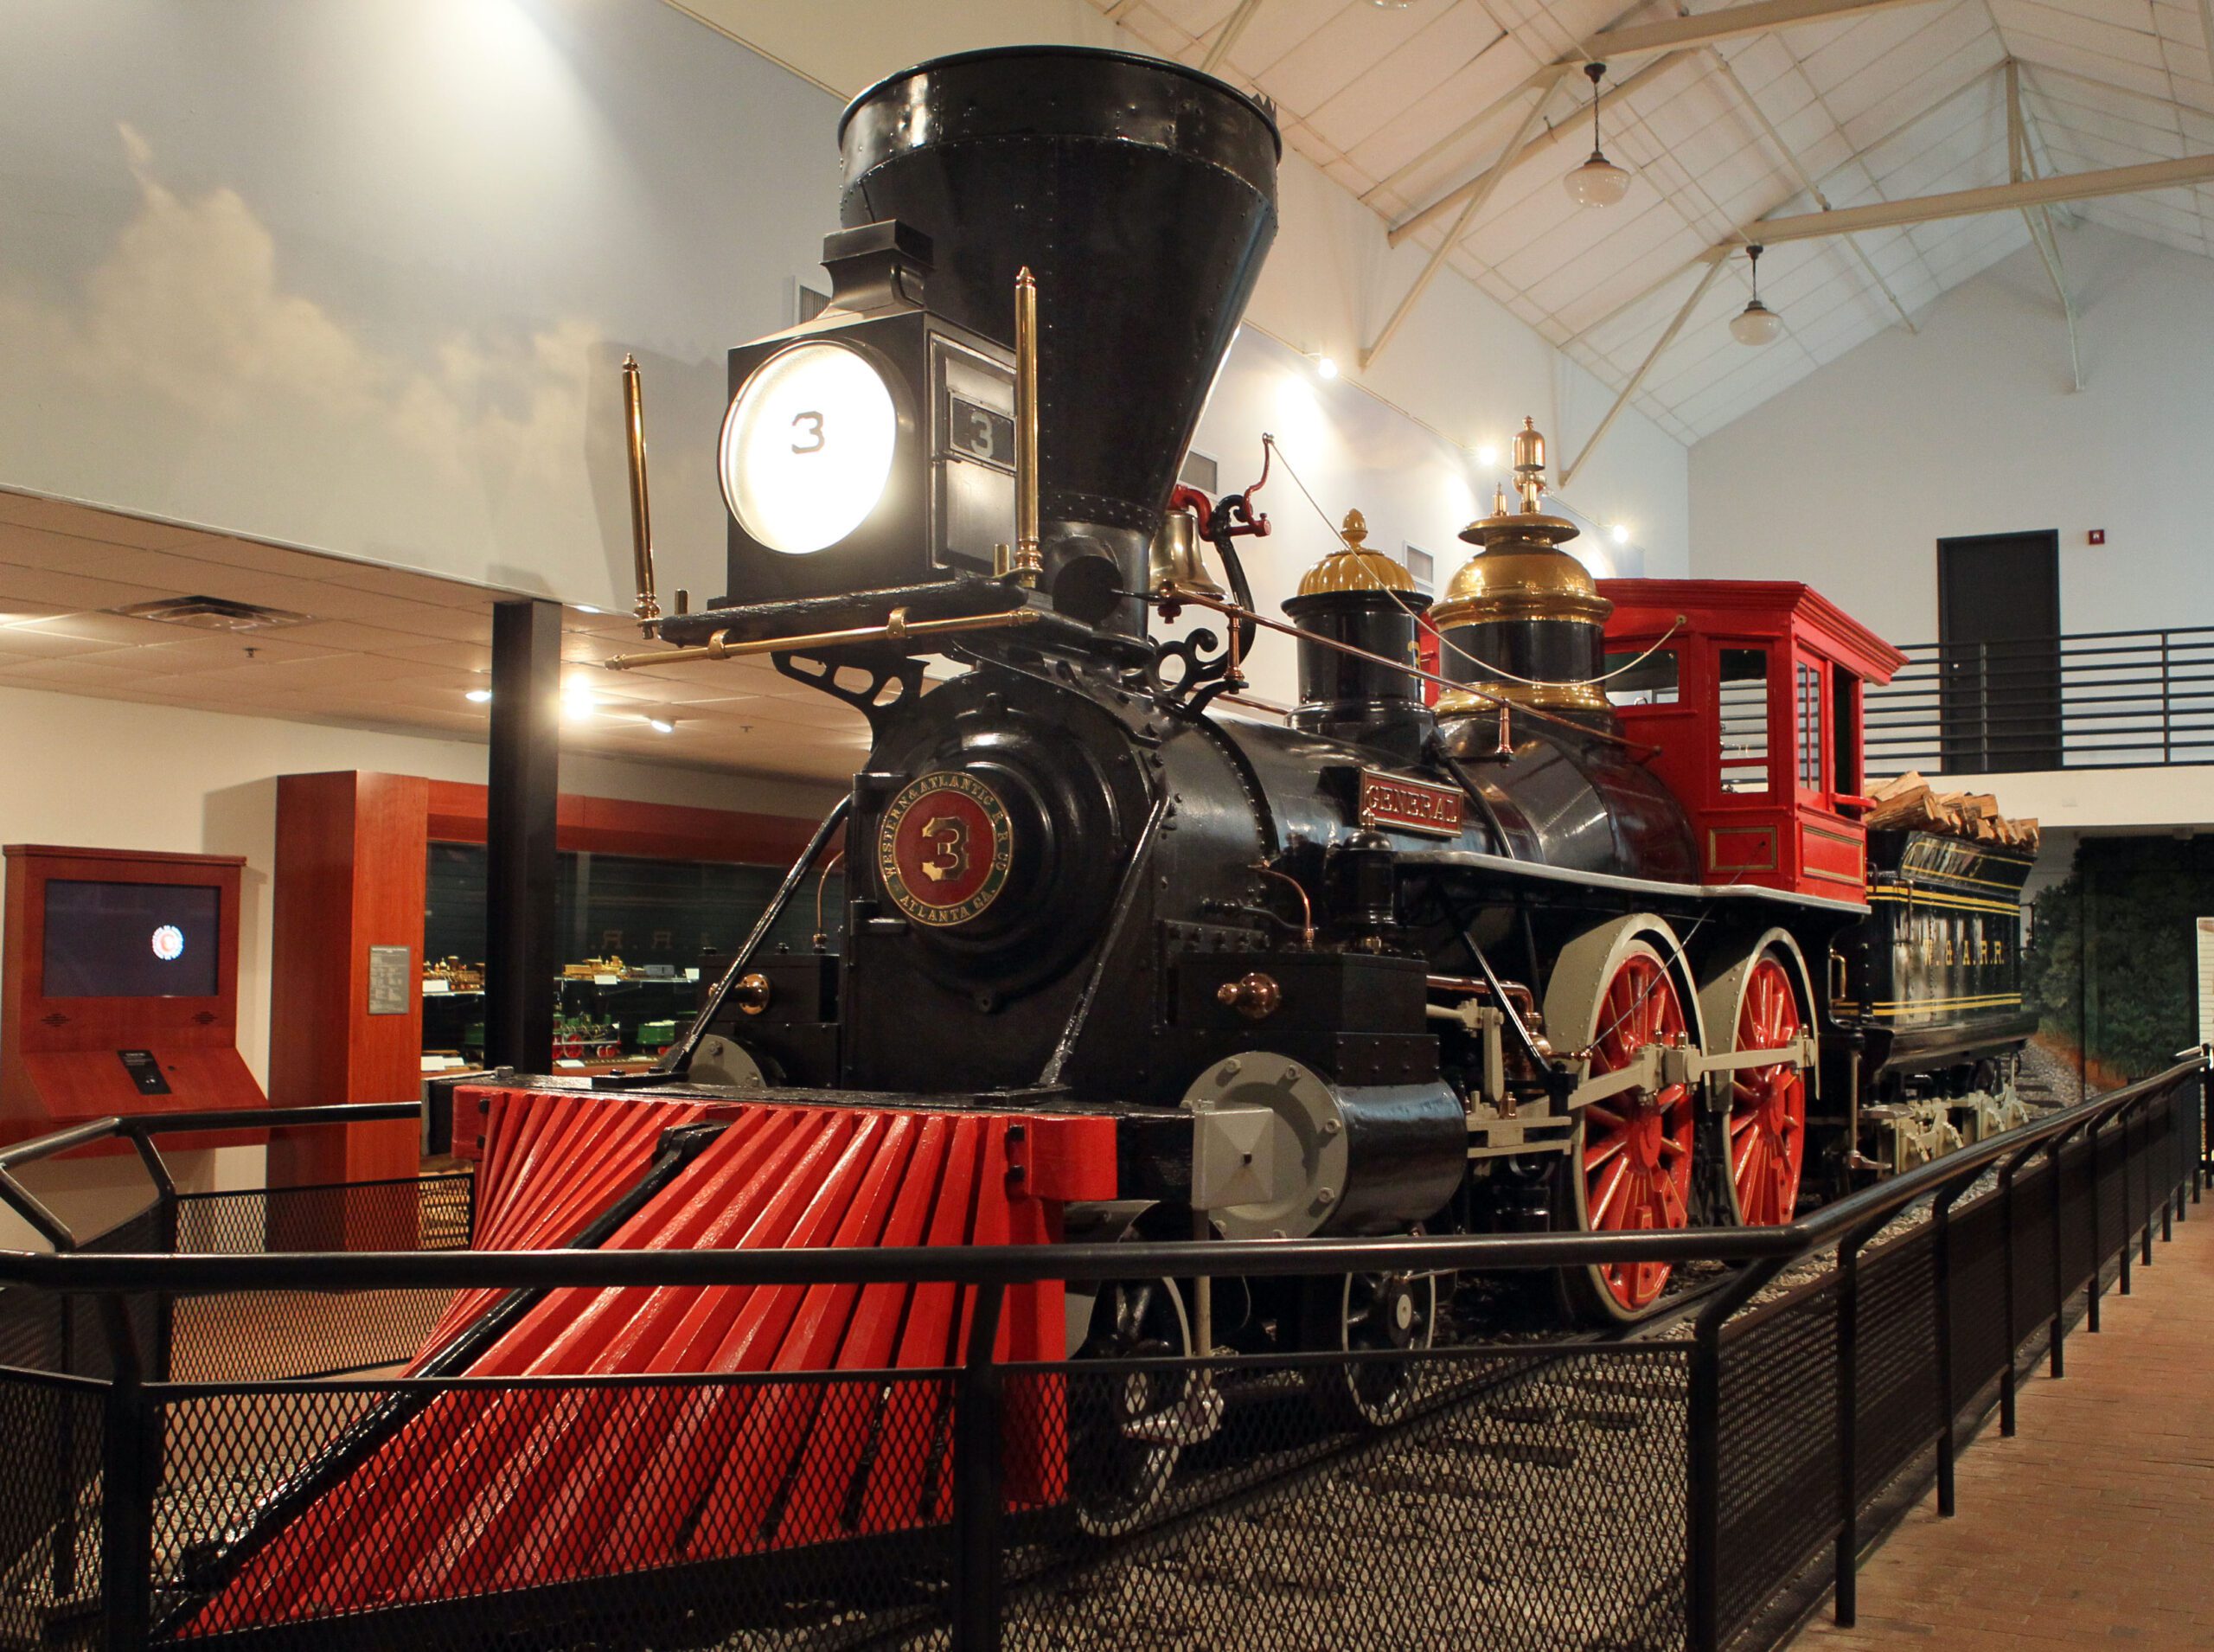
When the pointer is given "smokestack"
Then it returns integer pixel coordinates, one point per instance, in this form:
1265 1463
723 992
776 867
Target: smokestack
1142 196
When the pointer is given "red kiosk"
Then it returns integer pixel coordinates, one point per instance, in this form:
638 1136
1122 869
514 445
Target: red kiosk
119 990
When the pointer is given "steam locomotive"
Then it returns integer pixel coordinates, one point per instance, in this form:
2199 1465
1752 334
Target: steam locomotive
1477 946
1580 930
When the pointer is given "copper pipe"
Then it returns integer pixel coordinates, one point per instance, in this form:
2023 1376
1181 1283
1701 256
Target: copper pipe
897 629
647 611
1028 562
1306 906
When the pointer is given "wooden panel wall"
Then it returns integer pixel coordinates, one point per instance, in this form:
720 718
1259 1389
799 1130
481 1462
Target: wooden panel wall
351 856
615 826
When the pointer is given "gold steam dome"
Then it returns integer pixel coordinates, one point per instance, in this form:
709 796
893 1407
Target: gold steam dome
1359 614
1353 566
1528 612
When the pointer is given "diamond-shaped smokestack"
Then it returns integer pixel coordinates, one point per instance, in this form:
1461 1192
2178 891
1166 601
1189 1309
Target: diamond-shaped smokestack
1140 193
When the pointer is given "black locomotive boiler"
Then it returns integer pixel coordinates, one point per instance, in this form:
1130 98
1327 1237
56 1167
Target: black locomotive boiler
1379 963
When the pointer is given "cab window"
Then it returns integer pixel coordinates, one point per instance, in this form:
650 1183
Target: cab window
1652 681
1810 727
1743 701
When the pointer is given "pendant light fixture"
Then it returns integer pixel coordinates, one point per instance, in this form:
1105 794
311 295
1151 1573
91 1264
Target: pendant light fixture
1756 323
1598 182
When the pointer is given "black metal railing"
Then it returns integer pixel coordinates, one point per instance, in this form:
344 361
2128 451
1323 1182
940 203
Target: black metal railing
2091 699
1700 1486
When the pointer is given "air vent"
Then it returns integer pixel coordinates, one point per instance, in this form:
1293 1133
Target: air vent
212 614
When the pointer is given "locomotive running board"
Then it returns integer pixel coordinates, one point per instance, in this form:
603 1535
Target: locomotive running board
1649 888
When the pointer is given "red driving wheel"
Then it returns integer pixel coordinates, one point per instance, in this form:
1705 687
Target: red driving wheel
1637 1144
1767 1106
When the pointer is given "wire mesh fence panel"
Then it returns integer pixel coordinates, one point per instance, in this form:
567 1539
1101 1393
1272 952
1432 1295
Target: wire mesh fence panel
2033 1240
1531 1499
247 1336
1778 1468
50 1505
2078 1242
693 1512
1896 1388
47 1331
2113 1192
1977 1297
35 1329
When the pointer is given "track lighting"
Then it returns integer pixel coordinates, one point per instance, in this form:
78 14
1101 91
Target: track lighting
1756 323
1598 182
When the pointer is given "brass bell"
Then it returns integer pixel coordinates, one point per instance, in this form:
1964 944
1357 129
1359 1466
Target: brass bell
1175 561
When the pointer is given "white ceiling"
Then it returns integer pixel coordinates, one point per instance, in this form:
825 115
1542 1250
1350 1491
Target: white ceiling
1899 103
380 648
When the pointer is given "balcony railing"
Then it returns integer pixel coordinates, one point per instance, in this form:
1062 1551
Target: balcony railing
2093 700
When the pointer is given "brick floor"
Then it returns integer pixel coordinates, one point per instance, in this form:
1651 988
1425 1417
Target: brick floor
2095 1524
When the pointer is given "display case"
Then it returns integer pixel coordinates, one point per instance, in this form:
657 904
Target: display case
639 934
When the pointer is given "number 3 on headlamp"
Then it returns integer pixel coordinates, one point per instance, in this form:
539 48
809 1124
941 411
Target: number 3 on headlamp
807 447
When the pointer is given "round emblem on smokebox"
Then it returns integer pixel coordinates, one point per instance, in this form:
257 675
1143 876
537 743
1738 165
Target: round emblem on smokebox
944 848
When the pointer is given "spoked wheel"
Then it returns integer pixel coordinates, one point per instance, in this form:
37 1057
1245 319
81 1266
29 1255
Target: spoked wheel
1369 1313
1127 1428
1768 1104
1631 1168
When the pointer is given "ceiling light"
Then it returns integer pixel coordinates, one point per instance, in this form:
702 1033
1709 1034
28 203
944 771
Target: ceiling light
1756 323
1487 456
587 608
578 700
1619 534
660 724
1598 182
1325 369
478 697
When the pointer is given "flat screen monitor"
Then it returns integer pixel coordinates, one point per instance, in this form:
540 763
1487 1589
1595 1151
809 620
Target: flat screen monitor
132 940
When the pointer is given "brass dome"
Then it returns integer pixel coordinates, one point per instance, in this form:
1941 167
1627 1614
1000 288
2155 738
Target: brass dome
1353 566
1521 580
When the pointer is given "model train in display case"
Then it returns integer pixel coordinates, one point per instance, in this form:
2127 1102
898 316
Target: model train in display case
1579 931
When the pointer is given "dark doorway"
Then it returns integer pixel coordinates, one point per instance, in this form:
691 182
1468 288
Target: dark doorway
1998 648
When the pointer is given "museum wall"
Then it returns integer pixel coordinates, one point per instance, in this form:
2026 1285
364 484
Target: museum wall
111 774
1847 479
360 278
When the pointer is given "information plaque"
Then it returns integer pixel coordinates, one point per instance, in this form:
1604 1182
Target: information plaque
389 980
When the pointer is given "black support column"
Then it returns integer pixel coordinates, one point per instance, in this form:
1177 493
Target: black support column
521 951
